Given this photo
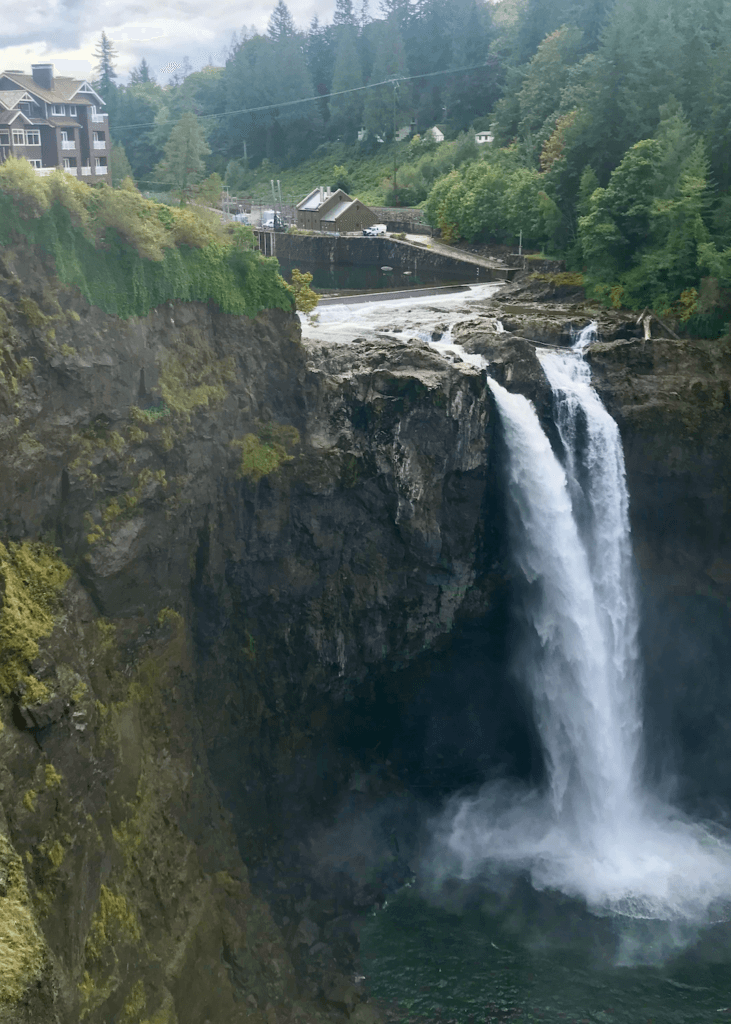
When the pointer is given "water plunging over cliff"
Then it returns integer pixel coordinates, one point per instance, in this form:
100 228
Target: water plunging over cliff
595 833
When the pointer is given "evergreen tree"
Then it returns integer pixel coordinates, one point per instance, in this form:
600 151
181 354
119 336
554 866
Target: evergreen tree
141 74
185 150
344 13
281 23
346 112
105 83
386 106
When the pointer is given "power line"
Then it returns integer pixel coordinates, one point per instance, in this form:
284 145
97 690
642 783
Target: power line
311 99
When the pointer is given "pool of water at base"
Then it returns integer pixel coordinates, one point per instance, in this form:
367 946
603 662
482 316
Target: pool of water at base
328 277
475 957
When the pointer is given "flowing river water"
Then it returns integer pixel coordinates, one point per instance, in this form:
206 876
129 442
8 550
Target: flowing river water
588 899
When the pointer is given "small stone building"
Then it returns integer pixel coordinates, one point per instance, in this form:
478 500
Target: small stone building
350 215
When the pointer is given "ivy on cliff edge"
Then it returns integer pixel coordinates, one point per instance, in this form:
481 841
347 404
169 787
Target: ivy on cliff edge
128 255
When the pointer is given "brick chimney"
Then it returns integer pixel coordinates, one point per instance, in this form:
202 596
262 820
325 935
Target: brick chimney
43 76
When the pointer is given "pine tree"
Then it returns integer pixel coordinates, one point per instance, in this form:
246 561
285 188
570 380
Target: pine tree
182 164
105 55
281 23
141 74
344 13
346 112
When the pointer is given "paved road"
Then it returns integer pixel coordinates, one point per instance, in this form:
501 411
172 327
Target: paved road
435 245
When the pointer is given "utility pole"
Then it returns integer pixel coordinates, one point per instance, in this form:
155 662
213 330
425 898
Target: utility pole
395 186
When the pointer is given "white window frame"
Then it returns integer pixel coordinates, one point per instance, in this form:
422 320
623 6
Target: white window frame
72 110
57 110
99 137
98 161
64 136
67 161
18 141
33 132
36 163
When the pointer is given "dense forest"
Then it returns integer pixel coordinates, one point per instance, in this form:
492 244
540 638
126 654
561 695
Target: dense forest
611 123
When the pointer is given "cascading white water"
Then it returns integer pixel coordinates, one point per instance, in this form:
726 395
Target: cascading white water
596 833
583 338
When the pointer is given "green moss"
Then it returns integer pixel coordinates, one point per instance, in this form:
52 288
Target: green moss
264 452
135 1004
31 576
34 690
53 778
192 376
29 800
22 950
113 922
56 854
564 279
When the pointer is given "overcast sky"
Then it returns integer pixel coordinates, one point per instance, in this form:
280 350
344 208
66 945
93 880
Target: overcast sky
66 32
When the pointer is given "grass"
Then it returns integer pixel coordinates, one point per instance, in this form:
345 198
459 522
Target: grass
367 173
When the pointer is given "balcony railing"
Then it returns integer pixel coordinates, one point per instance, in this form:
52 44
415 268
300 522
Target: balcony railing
96 118
68 144
43 172
86 171
100 144
101 170
71 170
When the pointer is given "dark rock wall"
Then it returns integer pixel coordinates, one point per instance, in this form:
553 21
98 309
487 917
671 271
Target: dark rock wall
192 694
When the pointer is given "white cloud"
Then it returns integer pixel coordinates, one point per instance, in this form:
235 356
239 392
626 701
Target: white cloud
164 32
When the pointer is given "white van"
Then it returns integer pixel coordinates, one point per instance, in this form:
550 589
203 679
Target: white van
375 229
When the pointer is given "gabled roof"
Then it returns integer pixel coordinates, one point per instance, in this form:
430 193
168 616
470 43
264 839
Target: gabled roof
339 210
312 202
10 116
10 98
65 90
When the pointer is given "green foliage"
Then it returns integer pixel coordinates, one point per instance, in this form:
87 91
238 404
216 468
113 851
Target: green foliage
305 299
128 255
185 149
31 577
22 949
264 452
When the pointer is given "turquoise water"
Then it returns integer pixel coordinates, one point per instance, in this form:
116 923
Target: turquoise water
526 958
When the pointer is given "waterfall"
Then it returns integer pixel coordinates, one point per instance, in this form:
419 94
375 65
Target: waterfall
583 338
595 833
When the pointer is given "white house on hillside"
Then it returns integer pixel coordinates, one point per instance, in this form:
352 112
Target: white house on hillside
483 137
436 133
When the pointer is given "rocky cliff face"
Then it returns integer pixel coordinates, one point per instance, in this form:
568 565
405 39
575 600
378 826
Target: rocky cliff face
251 529
220 546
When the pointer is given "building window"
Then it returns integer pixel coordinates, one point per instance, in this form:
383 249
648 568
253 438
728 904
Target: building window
4 138
99 137
69 161
33 138
72 111
64 136
18 137
36 163
57 109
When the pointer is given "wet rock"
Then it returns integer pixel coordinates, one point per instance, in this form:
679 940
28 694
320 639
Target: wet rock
307 933
341 992
39 716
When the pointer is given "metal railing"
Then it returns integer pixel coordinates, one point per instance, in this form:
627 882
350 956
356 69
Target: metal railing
96 118
100 144
101 170
68 144
86 171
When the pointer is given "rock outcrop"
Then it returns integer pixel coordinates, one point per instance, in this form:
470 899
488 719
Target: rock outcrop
252 528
